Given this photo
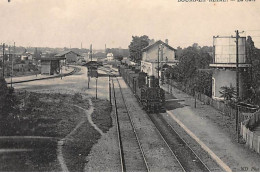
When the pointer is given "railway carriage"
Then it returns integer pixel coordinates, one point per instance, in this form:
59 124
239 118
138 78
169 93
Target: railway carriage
145 88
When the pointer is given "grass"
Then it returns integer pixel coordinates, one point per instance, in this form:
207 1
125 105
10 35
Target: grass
44 115
54 115
40 114
101 115
79 145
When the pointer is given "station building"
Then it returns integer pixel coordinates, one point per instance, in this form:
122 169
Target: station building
157 54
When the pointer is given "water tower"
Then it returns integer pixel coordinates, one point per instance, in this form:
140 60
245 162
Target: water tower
224 65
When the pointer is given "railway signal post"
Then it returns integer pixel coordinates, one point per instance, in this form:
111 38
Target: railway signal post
96 84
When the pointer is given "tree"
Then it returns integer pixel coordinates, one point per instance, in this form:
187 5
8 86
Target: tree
136 46
228 92
119 57
253 57
7 99
191 59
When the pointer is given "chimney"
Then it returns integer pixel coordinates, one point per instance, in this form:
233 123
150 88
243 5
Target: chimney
166 41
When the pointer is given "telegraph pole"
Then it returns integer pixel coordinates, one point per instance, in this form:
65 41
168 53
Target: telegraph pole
237 83
109 89
12 66
91 52
237 69
158 65
3 60
161 59
96 86
9 56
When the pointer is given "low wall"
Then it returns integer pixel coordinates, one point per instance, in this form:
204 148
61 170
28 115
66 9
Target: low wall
251 138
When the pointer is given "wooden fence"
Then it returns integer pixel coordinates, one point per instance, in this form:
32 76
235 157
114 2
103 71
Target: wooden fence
252 139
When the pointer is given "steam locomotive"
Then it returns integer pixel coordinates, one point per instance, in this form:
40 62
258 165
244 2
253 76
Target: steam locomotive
145 88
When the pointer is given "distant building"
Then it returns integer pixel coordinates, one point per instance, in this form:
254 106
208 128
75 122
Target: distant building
70 56
110 56
149 63
26 56
224 65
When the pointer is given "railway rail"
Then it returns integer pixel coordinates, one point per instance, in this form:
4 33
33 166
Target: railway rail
76 69
132 157
186 157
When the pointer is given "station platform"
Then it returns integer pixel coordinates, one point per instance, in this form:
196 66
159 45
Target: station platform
201 124
65 70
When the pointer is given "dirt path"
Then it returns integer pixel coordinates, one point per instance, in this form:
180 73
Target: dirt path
61 142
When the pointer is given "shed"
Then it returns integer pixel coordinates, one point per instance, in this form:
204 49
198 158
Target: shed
51 66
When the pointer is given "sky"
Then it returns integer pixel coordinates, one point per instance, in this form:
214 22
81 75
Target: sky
65 23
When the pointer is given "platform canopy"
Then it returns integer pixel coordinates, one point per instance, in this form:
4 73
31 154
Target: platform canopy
94 64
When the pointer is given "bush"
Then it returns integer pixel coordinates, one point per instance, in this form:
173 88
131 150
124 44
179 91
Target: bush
8 101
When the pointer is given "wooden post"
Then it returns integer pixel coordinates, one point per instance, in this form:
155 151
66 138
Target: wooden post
109 89
171 86
60 71
96 87
88 82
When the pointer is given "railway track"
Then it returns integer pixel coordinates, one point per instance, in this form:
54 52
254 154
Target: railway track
76 69
186 157
132 157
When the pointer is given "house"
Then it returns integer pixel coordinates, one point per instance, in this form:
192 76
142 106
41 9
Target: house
26 56
70 56
224 65
157 54
110 56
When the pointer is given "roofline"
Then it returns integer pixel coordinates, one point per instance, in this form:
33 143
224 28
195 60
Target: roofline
58 55
159 41
60 58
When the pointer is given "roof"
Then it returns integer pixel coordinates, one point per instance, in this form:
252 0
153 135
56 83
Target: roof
52 59
66 52
92 63
158 43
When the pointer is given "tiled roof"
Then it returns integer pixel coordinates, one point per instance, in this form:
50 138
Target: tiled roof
157 43
66 52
